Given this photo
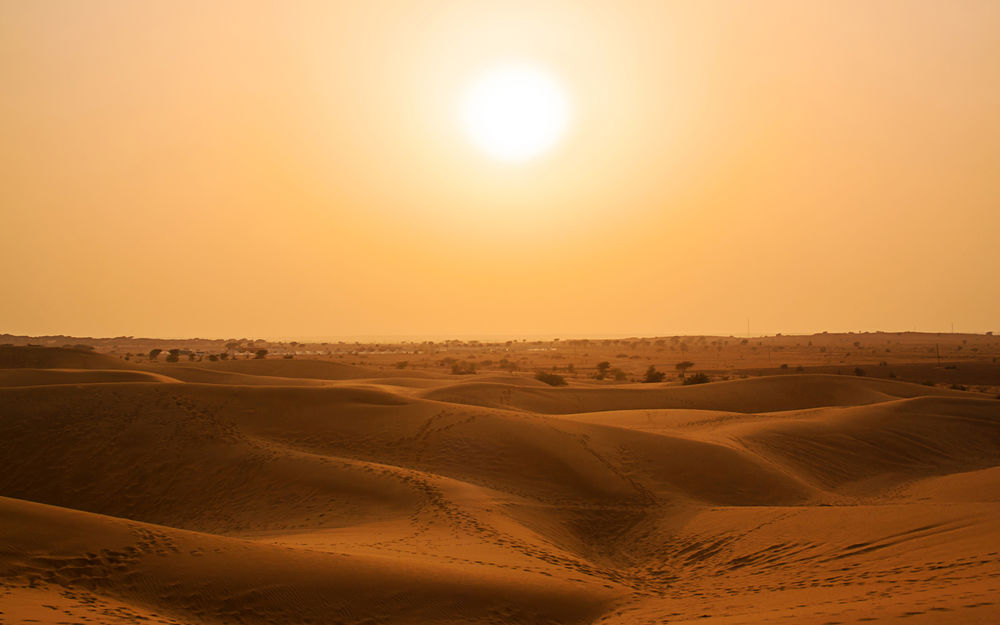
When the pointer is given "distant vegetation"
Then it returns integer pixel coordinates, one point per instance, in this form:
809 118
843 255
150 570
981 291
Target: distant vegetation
552 379
698 378
602 369
653 376
463 367
683 366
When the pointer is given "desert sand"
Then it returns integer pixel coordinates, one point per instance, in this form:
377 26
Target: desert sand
316 491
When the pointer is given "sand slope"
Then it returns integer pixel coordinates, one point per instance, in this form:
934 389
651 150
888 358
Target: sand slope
42 377
55 358
288 494
182 576
752 395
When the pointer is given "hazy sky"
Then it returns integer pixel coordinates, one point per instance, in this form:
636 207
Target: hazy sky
299 169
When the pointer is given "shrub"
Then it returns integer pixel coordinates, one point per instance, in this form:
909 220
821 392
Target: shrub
858 371
653 376
784 365
551 379
959 387
698 378
618 375
683 366
153 353
213 358
402 364
261 354
463 368
174 355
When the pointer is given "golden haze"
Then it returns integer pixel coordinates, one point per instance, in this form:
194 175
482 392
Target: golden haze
182 169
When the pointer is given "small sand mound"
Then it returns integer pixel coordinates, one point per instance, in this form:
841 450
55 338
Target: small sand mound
19 356
40 377
788 392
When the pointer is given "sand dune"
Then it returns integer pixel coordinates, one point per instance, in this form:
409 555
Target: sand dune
178 576
770 394
42 377
55 358
873 447
204 375
280 495
312 369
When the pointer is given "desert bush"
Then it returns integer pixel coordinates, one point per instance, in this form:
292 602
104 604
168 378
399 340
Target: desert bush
552 379
618 375
260 354
698 378
463 368
213 358
288 356
858 371
153 353
174 355
602 369
402 364
959 387
683 366
653 376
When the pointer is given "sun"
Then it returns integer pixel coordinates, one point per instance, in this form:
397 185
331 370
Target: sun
515 112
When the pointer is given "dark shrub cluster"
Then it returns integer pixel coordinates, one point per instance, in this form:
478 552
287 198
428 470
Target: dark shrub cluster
698 378
552 379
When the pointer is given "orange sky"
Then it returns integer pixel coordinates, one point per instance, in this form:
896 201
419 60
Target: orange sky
298 169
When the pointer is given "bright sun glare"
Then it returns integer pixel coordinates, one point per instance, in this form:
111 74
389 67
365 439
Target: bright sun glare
515 112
